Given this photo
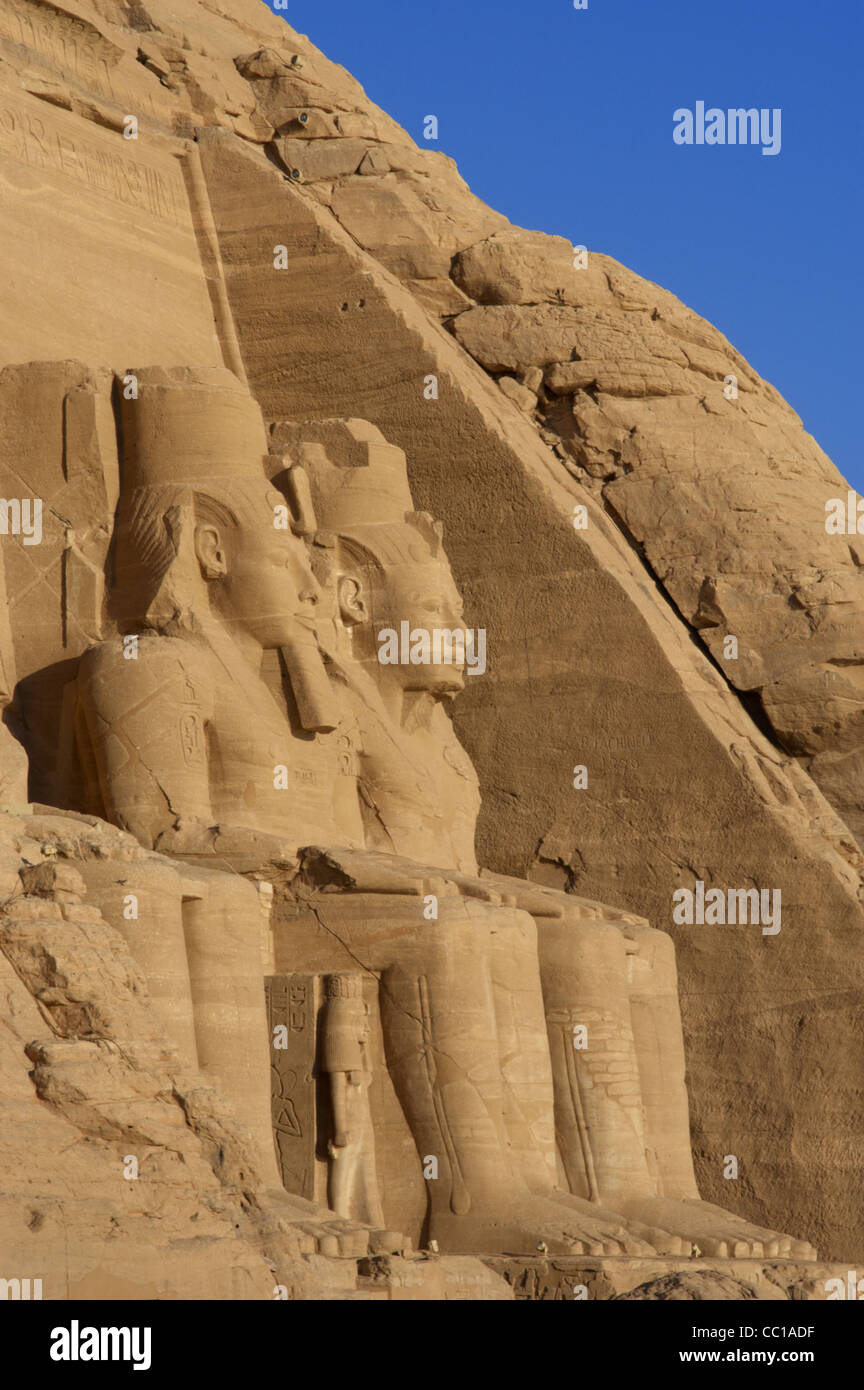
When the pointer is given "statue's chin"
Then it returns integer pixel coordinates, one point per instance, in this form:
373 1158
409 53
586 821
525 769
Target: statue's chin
445 682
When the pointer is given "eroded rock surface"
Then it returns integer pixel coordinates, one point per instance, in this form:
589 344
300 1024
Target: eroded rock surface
270 218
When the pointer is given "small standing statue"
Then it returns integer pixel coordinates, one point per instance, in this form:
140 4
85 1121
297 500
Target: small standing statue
353 1184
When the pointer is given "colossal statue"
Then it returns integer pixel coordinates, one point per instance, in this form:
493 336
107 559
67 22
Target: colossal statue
621 1115
243 724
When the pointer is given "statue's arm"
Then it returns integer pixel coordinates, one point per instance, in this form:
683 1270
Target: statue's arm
146 721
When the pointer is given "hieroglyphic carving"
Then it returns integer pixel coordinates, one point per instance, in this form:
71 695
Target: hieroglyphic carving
292 1012
105 162
63 40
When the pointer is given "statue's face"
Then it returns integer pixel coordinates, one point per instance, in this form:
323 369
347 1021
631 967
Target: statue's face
266 585
424 595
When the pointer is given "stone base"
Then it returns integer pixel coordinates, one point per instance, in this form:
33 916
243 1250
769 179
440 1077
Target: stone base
418 1278
528 1278
565 1278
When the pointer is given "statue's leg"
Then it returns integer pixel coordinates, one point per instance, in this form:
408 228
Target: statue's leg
510 939
441 1019
598 1103
657 1030
197 936
595 1071
143 898
656 1017
539 1087
438 1017
223 926
352 1181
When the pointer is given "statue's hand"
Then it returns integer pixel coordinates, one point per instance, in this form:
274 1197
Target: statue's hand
240 841
192 836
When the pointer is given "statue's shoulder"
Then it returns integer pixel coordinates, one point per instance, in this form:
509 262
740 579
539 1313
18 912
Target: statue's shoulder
122 672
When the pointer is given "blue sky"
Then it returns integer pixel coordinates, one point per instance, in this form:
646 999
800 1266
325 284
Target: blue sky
562 120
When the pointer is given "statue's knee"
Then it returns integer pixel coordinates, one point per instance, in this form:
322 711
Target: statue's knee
573 942
652 962
133 890
469 924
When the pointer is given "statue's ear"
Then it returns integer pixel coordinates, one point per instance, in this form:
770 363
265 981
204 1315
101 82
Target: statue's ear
353 608
210 550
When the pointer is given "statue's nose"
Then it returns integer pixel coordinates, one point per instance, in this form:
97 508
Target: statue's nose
310 595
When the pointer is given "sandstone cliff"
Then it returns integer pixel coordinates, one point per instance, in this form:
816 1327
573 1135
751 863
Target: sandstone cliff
270 217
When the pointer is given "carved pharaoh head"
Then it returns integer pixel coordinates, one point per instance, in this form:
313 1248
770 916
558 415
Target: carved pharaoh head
394 580
203 541
383 562
198 529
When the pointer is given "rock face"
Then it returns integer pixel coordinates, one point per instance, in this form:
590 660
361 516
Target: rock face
706 470
621 495
697 1288
249 589
124 1174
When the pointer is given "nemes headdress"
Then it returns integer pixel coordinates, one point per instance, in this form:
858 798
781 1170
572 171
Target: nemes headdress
186 433
193 434
357 486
